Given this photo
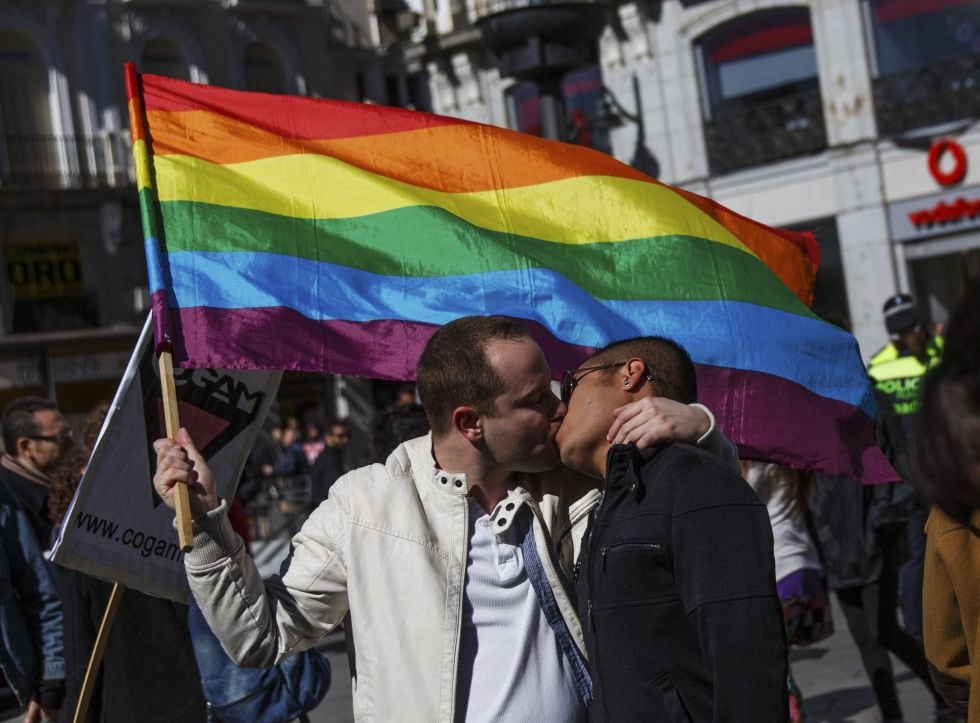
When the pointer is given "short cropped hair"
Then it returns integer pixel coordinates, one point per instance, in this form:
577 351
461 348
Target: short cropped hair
454 369
18 420
667 362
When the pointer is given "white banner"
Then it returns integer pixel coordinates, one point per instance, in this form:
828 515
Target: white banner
117 528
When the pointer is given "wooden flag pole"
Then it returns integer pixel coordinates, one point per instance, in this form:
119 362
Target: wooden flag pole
185 535
95 660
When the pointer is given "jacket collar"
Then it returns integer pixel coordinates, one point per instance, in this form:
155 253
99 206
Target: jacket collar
416 458
624 464
25 469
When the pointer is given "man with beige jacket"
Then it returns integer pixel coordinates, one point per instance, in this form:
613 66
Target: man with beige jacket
452 559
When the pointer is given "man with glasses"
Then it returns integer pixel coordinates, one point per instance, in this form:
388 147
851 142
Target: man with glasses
452 559
676 587
36 437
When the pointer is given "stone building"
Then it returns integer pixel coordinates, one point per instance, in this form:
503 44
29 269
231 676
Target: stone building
854 118
74 291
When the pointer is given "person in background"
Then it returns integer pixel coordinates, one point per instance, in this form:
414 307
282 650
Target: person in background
897 372
36 436
799 573
400 424
849 520
32 659
947 464
148 670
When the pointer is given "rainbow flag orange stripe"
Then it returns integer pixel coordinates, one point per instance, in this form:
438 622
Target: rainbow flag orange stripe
320 235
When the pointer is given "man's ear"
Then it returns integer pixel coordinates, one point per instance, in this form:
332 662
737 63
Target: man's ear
22 444
635 373
467 421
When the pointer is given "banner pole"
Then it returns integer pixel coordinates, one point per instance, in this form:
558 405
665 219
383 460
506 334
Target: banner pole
95 660
185 534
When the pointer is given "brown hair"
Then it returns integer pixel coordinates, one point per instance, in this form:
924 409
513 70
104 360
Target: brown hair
71 469
454 369
667 362
946 445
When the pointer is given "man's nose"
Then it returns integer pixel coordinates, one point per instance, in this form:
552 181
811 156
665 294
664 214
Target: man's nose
560 411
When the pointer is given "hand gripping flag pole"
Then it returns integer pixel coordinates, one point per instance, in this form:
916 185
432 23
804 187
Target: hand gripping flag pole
152 228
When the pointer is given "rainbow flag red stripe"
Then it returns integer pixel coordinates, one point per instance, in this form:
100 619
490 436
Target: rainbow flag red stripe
319 235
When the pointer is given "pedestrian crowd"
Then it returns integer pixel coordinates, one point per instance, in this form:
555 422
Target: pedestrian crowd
513 555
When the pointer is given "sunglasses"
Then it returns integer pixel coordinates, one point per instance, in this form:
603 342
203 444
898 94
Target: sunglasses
59 438
569 380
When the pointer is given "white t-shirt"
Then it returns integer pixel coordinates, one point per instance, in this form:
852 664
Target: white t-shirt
511 667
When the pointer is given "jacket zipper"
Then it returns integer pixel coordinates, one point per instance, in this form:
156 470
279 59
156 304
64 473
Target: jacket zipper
585 554
651 546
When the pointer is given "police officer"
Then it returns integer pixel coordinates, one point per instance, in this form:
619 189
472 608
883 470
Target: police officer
897 372
902 320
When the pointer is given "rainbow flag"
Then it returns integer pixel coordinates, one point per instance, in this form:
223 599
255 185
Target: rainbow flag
319 235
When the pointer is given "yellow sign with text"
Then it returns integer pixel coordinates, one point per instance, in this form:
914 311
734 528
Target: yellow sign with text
44 270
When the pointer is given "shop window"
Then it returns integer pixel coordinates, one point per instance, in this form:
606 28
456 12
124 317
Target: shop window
829 289
926 56
29 150
263 69
761 94
162 56
46 287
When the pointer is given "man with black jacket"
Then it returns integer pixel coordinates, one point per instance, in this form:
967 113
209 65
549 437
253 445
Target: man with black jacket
676 585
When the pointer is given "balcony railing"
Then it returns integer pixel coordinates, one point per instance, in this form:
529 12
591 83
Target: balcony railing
741 134
49 162
937 93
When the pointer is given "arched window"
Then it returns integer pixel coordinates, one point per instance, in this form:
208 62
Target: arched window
926 59
162 56
263 69
28 148
761 92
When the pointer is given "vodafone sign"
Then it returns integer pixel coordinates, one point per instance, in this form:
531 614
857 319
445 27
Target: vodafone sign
947 162
952 210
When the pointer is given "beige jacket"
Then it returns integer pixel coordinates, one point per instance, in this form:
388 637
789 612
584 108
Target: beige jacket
389 547
951 610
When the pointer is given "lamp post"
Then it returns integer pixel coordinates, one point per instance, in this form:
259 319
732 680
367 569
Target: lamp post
541 42
610 114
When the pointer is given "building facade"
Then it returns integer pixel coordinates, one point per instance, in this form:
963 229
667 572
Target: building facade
75 291
857 119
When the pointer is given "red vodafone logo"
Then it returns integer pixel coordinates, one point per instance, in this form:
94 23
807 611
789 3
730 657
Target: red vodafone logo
947 172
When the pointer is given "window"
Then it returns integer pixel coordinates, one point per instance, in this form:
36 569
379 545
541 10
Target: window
761 91
162 56
29 152
926 60
581 90
911 33
829 288
263 70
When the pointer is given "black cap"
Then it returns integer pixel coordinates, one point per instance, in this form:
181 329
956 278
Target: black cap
901 314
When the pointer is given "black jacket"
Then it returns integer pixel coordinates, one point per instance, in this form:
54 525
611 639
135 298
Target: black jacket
677 593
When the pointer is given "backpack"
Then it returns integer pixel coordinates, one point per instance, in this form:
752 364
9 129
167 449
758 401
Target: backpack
256 695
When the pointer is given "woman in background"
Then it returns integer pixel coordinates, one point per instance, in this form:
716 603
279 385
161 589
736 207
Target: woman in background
947 463
798 570
148 672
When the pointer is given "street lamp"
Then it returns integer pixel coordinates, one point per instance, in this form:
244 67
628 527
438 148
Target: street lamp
609 114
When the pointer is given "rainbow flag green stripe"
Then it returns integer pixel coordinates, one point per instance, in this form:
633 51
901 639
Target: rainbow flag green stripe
430 242
326 236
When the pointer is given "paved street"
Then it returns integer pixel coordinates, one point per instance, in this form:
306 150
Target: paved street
836 688
830 675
